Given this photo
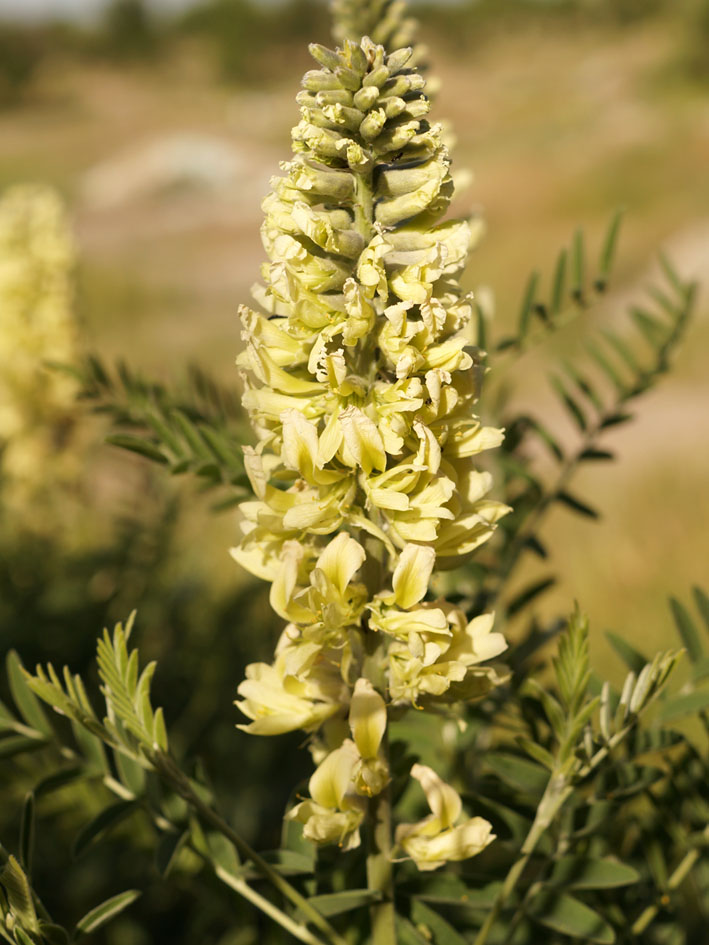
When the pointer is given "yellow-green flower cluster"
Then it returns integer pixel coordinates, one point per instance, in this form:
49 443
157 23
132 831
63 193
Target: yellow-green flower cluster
385 21
36 326
361 381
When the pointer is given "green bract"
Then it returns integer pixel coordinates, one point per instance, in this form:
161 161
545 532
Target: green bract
361 382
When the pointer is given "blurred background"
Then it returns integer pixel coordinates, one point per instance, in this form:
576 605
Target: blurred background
161 124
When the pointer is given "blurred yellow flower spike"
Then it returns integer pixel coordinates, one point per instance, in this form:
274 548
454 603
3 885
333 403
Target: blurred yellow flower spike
335 812
437 840
361 381
37 326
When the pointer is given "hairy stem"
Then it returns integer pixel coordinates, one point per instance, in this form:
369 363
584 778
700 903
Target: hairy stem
380 873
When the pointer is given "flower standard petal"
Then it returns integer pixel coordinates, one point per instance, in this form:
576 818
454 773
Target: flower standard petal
368 718
412 575
330 782
444 802
341 560
300 443
363 440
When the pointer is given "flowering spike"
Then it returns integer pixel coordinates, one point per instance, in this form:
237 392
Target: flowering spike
361 381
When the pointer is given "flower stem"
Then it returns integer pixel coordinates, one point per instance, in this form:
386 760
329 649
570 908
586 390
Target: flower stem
380 873
675 880
169 770
296 929
556 793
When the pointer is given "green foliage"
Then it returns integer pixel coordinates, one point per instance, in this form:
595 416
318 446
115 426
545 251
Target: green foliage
129 31
198 429
21 53
587 768
694 55
103 913
25 920
136 737
571 291
130 725
579 826
596 397
240 33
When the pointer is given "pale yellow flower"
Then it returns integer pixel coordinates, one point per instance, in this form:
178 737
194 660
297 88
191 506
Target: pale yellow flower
300 690
447 665
439 838
334 812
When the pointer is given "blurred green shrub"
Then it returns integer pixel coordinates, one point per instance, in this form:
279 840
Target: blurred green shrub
233 30
21 52
129 31
696 51
240 32
628 11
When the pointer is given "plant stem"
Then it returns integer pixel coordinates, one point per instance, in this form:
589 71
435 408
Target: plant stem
508 887
297 930
169 770
556 792
380 873
676 879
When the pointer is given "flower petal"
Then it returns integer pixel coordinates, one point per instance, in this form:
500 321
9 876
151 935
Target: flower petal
332 778
412 574
442 799
368 718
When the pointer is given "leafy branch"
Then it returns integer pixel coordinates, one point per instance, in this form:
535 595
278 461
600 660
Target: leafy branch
572 290
593 409
136 733
25 921
197 429
693 696
585 731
